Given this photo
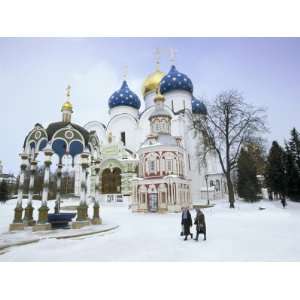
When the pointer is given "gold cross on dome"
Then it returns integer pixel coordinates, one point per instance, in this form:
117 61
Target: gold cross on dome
68 90
173 56
157 58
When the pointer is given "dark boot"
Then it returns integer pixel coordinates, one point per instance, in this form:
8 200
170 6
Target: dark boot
191 236
197 236
185 238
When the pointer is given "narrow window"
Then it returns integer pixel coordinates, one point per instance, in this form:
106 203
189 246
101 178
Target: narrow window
217 185
123 138
169 165
157 127
151 166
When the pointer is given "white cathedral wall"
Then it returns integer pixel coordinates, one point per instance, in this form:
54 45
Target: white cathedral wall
149 99
123 110
125 123
195 171
98 127
180 100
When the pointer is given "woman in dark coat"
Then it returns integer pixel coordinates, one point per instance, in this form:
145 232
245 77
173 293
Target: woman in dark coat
283 201
200 224
186 222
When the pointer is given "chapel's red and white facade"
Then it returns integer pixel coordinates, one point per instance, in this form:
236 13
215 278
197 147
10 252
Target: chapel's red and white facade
161 184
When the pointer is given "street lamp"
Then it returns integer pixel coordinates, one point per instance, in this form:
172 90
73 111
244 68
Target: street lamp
206 179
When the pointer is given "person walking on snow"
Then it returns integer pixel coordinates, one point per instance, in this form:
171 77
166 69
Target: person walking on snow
186 222
283 201
200 224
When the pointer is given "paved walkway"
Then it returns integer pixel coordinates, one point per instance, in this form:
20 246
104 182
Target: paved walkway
18 238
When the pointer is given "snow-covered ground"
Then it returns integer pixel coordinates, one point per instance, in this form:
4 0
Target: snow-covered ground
241 234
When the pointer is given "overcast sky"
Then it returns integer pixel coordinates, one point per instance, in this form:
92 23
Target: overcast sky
34 73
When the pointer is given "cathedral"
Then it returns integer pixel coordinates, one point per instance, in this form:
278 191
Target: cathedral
149 153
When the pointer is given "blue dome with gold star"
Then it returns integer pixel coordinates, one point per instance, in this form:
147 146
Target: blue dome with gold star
198 107
175 80
124 97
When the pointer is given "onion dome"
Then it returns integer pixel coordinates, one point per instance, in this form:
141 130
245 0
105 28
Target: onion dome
67 106
151 83
175 80
124 97
198 107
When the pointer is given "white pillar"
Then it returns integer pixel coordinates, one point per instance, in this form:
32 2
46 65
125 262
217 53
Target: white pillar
84 166
97 182
58 187
24 158
33 164
48 154
83 185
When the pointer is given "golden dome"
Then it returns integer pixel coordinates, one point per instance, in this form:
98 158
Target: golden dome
67 106
151 83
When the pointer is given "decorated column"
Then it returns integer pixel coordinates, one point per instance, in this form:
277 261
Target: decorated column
96 216
82 209
28 218
58 187
18 222
43 210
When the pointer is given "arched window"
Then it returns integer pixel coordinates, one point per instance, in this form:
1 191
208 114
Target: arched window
217 185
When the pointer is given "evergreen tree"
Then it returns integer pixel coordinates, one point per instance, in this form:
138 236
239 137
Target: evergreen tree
275 173
292 165
3 191
247 183
294 145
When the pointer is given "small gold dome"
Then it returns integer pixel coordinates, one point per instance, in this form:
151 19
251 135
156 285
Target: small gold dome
159 97
67 106
151 83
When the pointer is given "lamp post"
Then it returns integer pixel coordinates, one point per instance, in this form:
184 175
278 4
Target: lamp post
206 179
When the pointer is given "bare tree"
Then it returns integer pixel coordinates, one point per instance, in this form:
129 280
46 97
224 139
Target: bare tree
230 122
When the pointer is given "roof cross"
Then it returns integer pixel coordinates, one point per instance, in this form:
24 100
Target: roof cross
173 53
125 72
157 58
68 90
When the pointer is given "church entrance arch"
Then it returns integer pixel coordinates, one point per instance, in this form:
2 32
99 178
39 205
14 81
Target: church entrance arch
152 198
153 202
111 181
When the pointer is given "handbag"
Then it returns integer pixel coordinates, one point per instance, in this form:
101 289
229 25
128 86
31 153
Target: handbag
182 231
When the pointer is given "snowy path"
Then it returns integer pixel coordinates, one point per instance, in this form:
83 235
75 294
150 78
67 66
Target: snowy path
243 234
